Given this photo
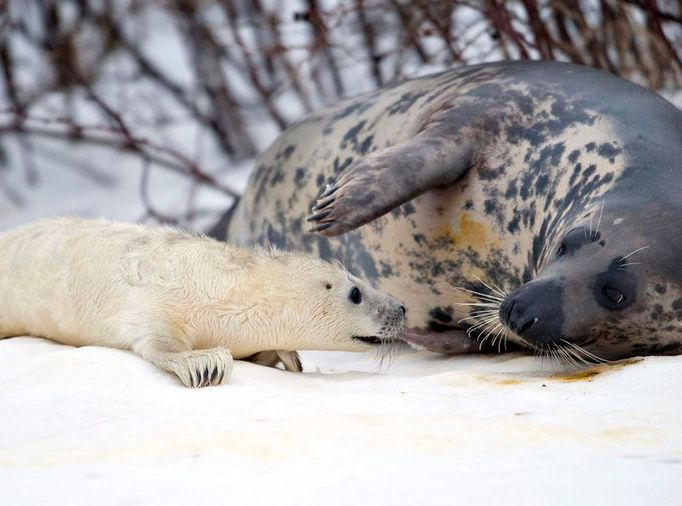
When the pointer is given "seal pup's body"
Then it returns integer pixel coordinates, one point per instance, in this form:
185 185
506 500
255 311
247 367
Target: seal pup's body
480 173
185 302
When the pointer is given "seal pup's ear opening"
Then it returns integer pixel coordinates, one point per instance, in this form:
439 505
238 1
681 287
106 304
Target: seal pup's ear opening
386 179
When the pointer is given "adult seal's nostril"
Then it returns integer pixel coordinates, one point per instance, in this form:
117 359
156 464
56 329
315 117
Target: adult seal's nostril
526 326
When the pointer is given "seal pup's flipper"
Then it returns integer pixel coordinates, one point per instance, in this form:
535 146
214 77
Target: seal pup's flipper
385 179
289 359
195 368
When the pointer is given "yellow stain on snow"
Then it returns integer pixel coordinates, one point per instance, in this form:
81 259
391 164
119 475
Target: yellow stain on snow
589 373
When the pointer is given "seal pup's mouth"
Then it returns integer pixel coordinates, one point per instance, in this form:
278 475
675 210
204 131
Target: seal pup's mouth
369 340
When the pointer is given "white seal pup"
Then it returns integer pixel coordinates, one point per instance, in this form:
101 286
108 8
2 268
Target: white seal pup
186 303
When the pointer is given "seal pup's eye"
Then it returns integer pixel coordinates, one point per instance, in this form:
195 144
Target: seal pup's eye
328 286
355 296
613 295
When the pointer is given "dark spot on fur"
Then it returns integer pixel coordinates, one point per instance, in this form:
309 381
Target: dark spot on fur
513 225
323 248
541 184
589 171
656 312
490 206
440 314
297 225
275 237
419 239
677 307
386 269
661 289
487 174
512 191
284 155
338 166
573 156
357 107
277 177
526 182
300 177
576 172
364 148
405 101
591 146
352 134
609 151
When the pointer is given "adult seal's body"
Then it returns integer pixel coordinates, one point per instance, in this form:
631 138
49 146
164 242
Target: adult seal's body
551 190
187 303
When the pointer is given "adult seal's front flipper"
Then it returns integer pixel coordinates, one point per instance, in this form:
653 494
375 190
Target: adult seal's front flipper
385 179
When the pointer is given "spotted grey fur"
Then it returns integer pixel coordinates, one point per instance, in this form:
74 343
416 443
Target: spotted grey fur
475 175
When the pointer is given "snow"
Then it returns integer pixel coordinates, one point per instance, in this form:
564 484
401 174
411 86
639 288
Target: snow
94 425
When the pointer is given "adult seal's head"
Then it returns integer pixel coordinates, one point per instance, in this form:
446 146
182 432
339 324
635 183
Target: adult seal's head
547 193
605 288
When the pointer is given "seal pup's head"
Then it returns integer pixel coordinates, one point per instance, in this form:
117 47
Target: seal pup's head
319 305
601 292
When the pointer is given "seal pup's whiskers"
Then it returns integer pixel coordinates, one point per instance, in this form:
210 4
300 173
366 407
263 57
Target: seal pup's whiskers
386 354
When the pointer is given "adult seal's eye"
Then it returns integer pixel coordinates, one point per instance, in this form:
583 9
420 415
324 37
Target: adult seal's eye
613 295
355 296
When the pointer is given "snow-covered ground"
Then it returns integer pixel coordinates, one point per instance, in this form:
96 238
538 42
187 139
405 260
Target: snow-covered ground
100 426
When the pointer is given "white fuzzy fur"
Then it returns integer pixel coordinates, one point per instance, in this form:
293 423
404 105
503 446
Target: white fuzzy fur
185 302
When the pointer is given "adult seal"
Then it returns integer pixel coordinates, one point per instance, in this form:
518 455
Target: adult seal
534 202
184 302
